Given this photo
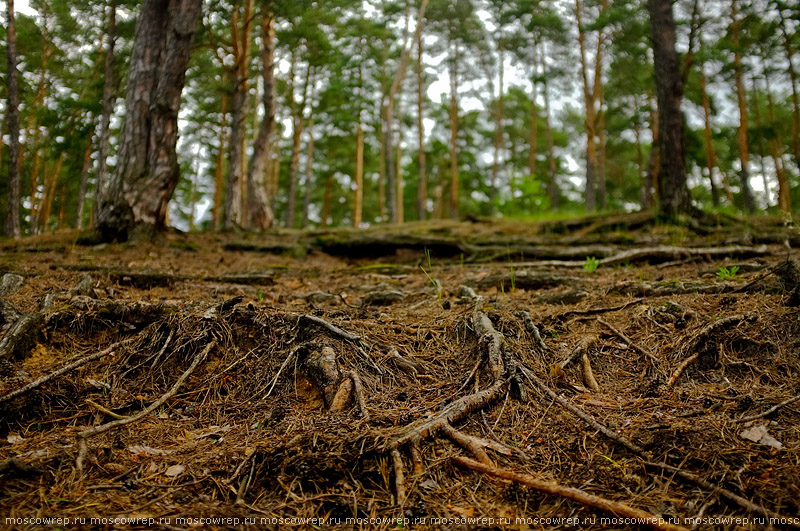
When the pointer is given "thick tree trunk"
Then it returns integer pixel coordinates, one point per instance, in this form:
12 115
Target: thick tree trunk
454 181
12 226
104 142
422 180
672 189
259 210
147 168
744 154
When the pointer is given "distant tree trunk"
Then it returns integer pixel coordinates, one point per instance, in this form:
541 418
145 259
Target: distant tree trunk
744 154
12 227
240 108
552 179
298 124
532 138
399 183
787 45
147 169
219 183
588 99
104 142
388 115
326 201
35 127
498 134
42 219
784 194
649 188
359 176
309 169
454 181
84 184
259 204
710 158
673 192
422 181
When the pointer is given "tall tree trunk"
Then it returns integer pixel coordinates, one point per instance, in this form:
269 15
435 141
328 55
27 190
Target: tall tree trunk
454 181
744 154
359 177
298 123
784 194
588 99
147 169
46 206
498 135
84 184
36 128
219 163
532 138
649 187
388 114
553 191
326 201
259 208
104 143
422 180
787 45
240 107
309 169
399 184
711 161
673 192
12 226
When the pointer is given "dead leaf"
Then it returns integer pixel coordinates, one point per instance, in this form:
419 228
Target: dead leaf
174 471
13 438
461 511
760 435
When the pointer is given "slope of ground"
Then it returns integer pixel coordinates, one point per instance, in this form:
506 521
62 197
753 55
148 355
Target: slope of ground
441 374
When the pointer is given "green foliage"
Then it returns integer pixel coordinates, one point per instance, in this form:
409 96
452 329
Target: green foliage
591 264
725 273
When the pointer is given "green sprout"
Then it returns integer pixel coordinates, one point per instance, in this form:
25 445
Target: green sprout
724 273
436 285
591 264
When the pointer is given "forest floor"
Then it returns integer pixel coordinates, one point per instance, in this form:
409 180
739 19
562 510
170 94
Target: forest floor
452 375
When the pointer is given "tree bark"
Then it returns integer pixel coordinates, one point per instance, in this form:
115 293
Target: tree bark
422 180
104 144
673 192
532 138
12 226
787 46
454 181
552 179
84 184
259 210
784 193
298 123
359 177
147 169
711 162
589 104
240 107
309 169
219 183
498 134
744 154
388 115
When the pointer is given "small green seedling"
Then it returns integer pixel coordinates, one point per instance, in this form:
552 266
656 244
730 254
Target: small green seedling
436 285
591 264
724 273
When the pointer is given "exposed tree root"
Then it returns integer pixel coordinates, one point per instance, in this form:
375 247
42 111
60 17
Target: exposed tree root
578 495
641 452
770 411
628 341
588 374
90 432
20 339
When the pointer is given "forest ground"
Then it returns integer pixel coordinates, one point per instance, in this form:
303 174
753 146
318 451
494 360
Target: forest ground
396 372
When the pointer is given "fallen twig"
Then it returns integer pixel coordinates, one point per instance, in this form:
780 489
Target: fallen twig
358 391
399 476
628 341
332 328
530 326
467 443
770 411
74 365
292 355
588 375
680 368
595 311
590 500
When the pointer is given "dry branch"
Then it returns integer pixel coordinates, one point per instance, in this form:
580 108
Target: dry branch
399 476
580 496
467 443
486 332
531 327
770 411
335 330
358 391
74 365
588 375
628 341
